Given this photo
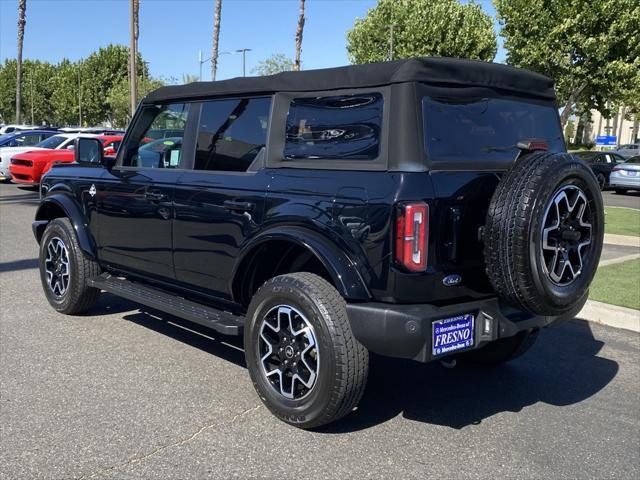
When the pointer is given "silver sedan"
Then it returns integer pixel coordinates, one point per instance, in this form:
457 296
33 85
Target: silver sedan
626 176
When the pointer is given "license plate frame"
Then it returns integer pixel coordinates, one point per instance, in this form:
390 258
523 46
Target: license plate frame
451 334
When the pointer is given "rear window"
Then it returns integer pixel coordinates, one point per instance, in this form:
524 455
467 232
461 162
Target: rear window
345 127
486 129
52 142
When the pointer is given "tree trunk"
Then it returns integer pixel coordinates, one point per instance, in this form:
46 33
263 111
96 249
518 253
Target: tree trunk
621 124
216 37
636 125
569 107
22 20
133 56
296 65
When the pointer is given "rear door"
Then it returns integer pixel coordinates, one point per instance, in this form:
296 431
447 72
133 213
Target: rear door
219 204
135 199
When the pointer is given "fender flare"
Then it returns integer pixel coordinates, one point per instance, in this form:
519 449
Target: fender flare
62 202
343 270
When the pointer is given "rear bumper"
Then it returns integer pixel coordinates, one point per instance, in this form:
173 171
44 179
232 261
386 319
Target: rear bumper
626 182
404 331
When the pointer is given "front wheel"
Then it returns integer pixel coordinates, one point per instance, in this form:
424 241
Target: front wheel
64 269
305 363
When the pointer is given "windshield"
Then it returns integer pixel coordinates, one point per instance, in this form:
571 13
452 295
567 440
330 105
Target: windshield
52 142
486 129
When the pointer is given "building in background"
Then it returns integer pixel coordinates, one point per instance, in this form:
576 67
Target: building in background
622 126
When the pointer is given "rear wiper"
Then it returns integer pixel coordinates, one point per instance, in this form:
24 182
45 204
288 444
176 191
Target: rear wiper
493 148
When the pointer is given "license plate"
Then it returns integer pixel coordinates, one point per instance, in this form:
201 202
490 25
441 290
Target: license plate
632 173
451 334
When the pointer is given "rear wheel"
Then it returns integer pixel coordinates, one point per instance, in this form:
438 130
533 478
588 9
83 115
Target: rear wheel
64 269
621 191
305 363
602 181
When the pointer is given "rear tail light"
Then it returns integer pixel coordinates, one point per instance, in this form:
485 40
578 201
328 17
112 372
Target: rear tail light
412 232
616 169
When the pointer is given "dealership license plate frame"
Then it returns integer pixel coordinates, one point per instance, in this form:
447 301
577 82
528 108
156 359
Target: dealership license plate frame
446 345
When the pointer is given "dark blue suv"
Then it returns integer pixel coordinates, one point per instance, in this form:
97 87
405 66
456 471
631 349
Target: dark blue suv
422 209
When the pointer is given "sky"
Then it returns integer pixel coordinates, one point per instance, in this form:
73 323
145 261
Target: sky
172 32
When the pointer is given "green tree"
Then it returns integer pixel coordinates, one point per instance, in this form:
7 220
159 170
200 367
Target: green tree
8 90
276 63
119 98
409 28
99 72
37 90
65 101
591 49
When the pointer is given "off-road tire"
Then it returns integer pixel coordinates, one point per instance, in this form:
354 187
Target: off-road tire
344 362
513 232
502 350
78 297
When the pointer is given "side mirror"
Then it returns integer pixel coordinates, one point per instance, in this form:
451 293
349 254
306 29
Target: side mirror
88 151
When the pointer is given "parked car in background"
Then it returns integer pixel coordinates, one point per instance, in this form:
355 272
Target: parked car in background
626 176
629 150
24 138
17 128
28 167
601 163
58 141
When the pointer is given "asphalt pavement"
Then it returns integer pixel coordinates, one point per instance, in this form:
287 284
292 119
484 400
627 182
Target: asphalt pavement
628 199
126 392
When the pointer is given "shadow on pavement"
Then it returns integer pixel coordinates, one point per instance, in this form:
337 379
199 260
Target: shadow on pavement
16 265
561 369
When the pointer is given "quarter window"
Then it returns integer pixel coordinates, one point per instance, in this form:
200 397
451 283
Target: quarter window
345 127
231 133
160 144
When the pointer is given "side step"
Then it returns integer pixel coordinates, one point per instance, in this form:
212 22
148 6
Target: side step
220 321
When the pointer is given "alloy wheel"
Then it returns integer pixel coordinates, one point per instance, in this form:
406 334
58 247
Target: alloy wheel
56 266
289 353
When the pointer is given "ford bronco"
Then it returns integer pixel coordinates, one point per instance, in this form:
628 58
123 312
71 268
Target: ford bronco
422 209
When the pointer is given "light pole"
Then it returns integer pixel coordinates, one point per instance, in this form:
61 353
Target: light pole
202 61
244 59
31 79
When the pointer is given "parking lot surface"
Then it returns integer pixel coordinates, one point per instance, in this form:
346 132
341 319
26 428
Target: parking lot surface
126 392
628 200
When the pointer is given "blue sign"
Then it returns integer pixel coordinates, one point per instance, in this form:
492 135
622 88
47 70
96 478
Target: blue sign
606 140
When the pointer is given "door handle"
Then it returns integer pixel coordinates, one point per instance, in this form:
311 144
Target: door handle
236 206
154 196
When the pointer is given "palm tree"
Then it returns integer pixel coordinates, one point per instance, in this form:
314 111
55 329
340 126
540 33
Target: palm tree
296 65
22 20
216 36
133 55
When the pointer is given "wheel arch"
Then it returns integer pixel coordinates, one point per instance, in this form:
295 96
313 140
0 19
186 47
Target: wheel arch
61 205
305 248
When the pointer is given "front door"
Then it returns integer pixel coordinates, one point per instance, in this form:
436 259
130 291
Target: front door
135 199
219 204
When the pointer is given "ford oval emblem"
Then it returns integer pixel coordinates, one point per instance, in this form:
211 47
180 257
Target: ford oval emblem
452 280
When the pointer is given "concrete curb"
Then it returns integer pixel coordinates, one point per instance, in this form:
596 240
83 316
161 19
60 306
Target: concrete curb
613 261
611 315
623 240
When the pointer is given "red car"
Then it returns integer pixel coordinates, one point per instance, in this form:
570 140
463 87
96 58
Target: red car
29 167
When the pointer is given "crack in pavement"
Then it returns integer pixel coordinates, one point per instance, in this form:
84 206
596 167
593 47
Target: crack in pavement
177 443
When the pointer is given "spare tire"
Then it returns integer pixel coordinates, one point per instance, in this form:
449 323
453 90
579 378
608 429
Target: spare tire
543 233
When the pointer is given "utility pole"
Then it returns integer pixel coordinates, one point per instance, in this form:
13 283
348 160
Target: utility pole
133 53
32 97
79 98
244 59
391 43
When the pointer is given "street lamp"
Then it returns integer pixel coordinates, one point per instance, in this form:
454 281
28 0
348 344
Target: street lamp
202 61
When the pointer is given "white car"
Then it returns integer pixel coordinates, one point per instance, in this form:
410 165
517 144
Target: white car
15 128
58 142
626 176
629 150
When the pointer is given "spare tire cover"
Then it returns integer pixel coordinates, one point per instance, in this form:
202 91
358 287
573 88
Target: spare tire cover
543 233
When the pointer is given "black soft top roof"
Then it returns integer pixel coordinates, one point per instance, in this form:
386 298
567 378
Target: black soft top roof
450 72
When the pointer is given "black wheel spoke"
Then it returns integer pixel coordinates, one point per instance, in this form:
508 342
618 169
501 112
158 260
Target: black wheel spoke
56 267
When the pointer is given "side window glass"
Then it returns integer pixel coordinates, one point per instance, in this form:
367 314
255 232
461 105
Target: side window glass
231 133
159 145
340 127
30 140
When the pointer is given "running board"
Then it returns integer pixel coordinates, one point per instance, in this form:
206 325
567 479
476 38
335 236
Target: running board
220 321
